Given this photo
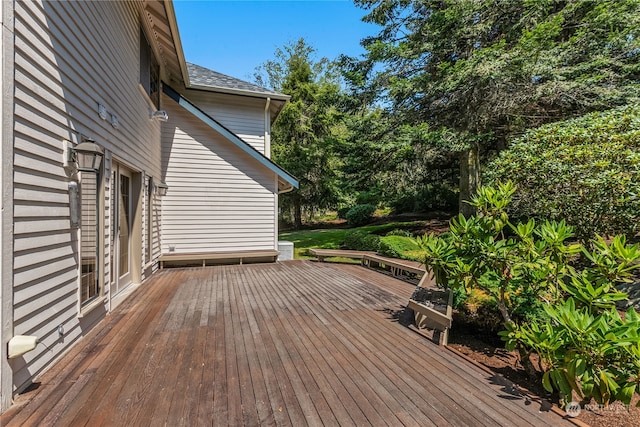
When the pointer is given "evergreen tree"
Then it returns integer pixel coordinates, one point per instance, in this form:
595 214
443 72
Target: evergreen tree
302 137
487 70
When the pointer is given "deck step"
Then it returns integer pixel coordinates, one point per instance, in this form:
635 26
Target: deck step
235 257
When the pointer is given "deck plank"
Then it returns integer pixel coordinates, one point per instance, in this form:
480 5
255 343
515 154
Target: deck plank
343 335
364 387
286 344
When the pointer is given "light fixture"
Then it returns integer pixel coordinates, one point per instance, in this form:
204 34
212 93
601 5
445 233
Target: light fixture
102 112
160 115
88 155
114 122
162 189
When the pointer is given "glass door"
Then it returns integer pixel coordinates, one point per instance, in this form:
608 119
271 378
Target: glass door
121 259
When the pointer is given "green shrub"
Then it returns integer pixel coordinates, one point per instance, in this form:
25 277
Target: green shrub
342 212
371 197
360 215
592 353
389 250
400 232
585 171
361 241
586 346
396 246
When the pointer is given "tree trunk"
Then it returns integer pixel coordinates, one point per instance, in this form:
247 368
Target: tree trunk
527 364
297 213
469 179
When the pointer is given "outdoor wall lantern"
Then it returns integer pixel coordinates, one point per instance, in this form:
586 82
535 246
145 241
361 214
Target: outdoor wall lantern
162 189
88 155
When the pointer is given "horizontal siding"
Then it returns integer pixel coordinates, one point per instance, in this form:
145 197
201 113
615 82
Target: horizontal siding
219 198
242 115
69 57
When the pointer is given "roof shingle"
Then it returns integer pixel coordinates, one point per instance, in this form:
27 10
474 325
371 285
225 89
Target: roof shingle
202 76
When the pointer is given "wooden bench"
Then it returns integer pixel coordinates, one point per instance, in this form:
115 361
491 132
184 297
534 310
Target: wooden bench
321 254
432 309
395 266
398 268
237 257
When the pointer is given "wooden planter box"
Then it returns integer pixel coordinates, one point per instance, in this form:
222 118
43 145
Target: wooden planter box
433 314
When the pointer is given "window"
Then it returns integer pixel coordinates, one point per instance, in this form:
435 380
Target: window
149 71
90 226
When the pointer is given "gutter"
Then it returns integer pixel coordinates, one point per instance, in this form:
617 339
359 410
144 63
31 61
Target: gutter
252 93
267 129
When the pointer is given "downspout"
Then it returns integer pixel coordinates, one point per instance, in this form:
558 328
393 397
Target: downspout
267 153
267 129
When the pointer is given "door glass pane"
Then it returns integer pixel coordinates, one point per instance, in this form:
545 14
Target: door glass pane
125 191
89 284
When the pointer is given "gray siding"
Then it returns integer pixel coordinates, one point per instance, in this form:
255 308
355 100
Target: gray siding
69 56
219 198
242 115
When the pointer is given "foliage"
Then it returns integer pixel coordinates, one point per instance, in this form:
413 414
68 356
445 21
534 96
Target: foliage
591 351
483 71
585 170
477 65
586 346
303 137
360 215
361 241
399 166
477 253
428 197
396 246
400 232
342 212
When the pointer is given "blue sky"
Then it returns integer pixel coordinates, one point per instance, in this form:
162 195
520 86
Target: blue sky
234 37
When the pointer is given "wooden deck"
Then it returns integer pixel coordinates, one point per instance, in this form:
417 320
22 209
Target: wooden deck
293 343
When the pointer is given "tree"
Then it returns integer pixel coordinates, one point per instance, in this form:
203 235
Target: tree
303 136
407 168
487 70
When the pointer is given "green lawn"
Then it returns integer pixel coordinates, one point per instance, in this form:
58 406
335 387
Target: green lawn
332 238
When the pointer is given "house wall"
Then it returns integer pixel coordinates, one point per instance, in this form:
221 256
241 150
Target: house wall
219 198
69 57
242 115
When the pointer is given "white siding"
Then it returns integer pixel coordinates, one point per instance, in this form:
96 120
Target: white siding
219 198
242 115
69 56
